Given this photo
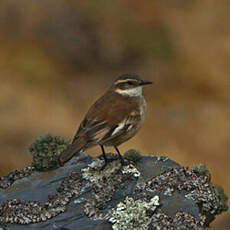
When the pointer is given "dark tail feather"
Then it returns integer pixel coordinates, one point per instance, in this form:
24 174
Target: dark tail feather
71 150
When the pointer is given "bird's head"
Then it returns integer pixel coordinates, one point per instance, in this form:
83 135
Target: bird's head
129 85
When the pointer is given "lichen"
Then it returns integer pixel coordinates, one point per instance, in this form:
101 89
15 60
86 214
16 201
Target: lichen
201 170
131 169
221 198
132 155
180 221
93 172
105 183
8 180
102 190
46 151
18 211
133 214
194 187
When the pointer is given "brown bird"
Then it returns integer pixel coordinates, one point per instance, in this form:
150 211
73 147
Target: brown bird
113 119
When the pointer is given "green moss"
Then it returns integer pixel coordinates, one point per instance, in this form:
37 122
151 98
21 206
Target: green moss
133 214
201 169
132 155
46 151
222 199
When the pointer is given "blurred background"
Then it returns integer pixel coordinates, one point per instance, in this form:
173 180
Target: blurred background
58 57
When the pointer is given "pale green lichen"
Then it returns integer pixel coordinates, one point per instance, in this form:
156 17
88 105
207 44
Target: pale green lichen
133 214
131 169
93 172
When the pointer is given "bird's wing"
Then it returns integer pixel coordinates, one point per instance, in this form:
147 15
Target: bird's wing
106 119
124 126
100 132
91 130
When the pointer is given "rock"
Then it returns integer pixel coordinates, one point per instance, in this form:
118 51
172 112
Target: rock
149 193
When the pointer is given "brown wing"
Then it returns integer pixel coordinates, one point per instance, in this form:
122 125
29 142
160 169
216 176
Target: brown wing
111 108
100 122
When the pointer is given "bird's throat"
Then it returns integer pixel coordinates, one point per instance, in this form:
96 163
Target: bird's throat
134 92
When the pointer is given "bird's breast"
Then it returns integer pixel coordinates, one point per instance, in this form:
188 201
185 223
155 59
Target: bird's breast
143 107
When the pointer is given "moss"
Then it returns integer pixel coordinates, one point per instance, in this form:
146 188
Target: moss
132 155
201 170
46 151
222 199
133 214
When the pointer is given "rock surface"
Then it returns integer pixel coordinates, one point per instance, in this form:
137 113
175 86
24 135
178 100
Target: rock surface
81 196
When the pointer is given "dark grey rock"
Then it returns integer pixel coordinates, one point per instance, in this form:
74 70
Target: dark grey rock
67 198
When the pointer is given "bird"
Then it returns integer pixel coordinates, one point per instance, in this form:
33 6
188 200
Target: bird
112 120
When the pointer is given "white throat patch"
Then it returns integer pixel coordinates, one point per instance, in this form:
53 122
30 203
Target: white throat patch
134 92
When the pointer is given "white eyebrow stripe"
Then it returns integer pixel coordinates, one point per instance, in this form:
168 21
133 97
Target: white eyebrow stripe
125 80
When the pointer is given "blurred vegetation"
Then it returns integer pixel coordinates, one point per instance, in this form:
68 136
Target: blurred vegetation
57 57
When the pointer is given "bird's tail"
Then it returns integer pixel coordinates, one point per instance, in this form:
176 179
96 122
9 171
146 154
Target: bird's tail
71 150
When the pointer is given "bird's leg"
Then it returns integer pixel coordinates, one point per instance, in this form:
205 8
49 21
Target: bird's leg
105 158
103 152
120 156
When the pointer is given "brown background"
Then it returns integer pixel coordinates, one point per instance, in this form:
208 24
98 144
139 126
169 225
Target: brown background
57 57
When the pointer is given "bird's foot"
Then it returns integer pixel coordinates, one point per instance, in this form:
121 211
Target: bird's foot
124 162
112 158
106 162
103 166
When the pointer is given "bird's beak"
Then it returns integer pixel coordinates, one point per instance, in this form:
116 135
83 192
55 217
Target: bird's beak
145 83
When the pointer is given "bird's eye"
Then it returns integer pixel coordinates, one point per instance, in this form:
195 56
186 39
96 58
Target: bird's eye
130 82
